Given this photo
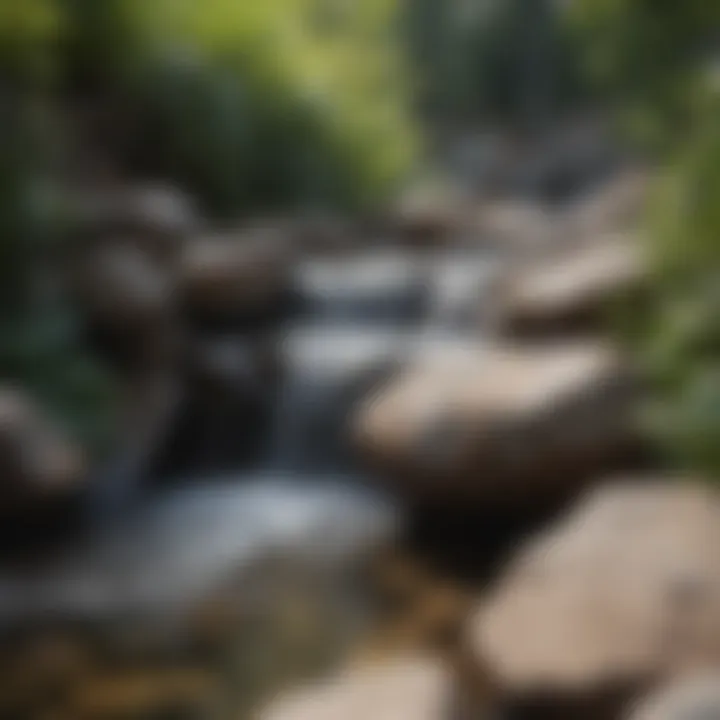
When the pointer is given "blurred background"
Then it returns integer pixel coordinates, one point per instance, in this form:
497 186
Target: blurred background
369 348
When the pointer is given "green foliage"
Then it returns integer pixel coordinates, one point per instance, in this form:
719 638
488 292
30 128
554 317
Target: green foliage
654 60
255 104
509 60
248 104
646 56
30 31
682 348
39 345
41 351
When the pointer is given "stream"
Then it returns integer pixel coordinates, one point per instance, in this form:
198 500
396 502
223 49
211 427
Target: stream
305 500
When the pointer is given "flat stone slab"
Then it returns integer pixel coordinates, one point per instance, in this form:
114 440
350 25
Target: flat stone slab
396 690
571 292
620 593
501 424
693 698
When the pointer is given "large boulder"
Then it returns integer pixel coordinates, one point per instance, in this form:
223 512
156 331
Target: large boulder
37 461
694 697
505 426
402 690
235 275
620 594
570 293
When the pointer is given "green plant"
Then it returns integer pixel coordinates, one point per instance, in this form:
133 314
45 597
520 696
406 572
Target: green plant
681 347
255 105
511 61
647 57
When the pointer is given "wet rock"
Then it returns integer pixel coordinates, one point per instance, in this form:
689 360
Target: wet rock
324 235
235 367
231 383
505 426
121 286
413 689
235 276
429 216
129 302
156 217
697 698
620 594
573 292
37 461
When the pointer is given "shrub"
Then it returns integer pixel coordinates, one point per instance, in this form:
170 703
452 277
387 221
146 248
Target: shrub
255 104
40 347
505 60
645 56
682 338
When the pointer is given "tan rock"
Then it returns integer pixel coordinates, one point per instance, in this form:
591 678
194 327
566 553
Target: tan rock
396 690
520 229
571 292
621 593
505 426
695 697
616 206
36 459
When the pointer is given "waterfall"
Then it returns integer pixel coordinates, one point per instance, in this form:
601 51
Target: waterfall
363 318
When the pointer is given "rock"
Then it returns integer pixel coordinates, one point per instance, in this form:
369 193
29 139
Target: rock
120 286
571 292
516 228
620 594
506 426
226 413
696 697
616 206
235 368
429 215
408 689
37 461
235 275
155 216
129 302
324 235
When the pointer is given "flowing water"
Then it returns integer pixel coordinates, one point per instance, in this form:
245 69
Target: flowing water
360 320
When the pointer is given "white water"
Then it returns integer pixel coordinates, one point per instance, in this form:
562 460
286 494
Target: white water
365 318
